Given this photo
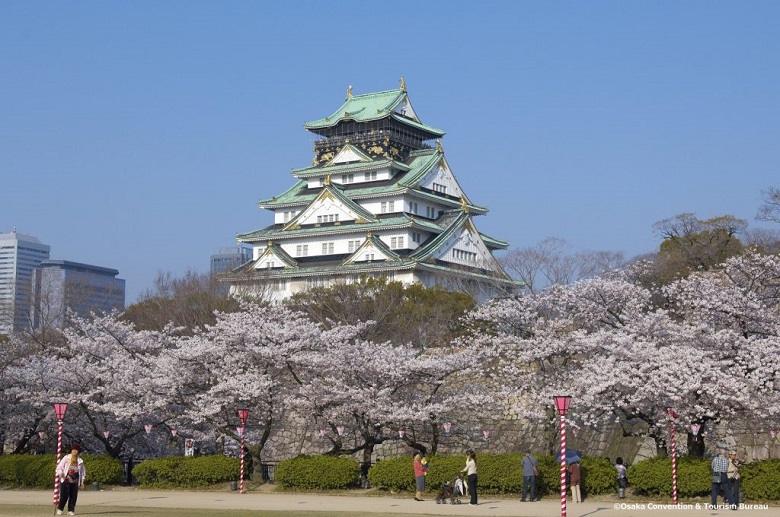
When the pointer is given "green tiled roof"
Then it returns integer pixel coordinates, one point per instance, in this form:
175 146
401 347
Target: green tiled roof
420 164
306 270
276 232
494 243
344 168
371 106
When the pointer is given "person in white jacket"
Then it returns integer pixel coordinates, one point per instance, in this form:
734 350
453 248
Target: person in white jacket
72 474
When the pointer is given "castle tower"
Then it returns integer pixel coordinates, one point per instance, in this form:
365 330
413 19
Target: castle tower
378 200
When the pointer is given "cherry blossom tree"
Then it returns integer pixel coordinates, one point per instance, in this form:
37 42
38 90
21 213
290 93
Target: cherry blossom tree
703 346
110 375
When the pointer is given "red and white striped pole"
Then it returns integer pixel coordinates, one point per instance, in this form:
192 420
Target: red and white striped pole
243 414
672 415
562 404
59 410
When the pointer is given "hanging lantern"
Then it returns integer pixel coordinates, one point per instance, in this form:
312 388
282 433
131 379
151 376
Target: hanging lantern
340 429
148 428
243 414
60 408
240 431
106 434
401 433
695 428
447 427
486 434
773 433
174 432
42 435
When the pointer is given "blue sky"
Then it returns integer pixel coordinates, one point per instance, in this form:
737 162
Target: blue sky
140 135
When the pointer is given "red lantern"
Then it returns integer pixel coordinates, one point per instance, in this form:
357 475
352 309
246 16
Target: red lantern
148 428
60 408
174 432
243 414
695 430
562 403
106 433
340 429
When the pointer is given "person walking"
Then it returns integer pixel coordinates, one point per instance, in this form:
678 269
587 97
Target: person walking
419 476
720 468
530 471
575 476
733 476
72 474
471 475
622 477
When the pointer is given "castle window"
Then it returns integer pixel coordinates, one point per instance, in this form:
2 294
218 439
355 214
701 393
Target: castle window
327 248
438 187
353 245
396 243
413 207
416 237
386 207
430 212
370 176
347 178
463 255
301 250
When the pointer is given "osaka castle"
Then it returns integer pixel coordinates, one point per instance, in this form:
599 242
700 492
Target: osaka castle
378 200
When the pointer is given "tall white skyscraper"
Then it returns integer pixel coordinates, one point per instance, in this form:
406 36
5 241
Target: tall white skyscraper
19 256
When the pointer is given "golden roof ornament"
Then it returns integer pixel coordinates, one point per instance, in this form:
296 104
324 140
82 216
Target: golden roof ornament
439 147
463 205
327 180
349 91
403 85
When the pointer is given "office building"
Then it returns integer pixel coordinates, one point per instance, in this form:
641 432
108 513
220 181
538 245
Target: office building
59 285
19 256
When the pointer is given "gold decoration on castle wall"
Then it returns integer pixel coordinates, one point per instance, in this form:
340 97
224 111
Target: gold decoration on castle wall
327 180
375 150
394 151
326 157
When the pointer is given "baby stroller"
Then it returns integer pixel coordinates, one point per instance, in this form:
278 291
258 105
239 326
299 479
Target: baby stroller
451 491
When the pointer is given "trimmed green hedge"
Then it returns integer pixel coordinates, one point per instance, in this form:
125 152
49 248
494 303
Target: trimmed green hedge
24 470
498 474
186 472
654 476
318 473
761 480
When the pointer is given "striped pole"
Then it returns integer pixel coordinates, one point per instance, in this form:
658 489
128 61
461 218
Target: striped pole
241 482
243 414
563 465
59 457
674 466
672 414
